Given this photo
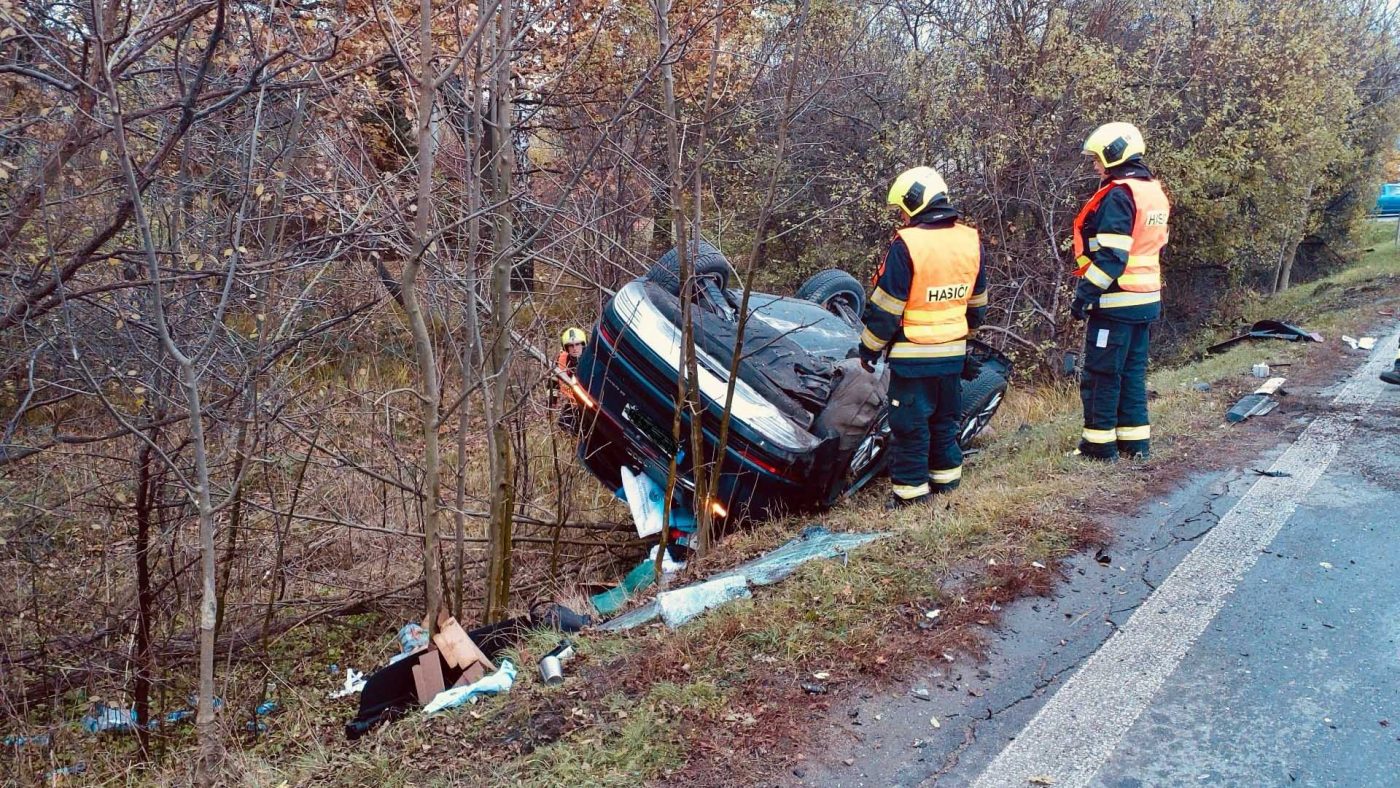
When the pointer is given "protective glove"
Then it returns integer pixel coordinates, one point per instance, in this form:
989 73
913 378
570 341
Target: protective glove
1079 308
972 367
868 359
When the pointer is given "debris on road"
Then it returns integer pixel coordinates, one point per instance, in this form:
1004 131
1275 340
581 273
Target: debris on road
1259 403
1364 343
812 688
934 721
814 542
1272 474
922 693
1267 329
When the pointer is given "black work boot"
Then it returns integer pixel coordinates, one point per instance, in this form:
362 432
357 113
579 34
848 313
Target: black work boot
895 502
1100 452
1392 376
1135 450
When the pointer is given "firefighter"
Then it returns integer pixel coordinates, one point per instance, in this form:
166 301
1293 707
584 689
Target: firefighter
929 293
1118 237
562 397
1393 375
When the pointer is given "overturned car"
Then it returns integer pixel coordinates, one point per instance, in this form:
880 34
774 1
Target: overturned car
808 425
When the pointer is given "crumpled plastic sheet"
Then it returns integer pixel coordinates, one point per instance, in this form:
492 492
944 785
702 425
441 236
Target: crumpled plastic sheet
494 684
814 542
354 684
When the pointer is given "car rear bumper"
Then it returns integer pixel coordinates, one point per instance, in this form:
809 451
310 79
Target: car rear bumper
635 392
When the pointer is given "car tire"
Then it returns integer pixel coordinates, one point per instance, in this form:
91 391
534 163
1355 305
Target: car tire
826 287
980 399
710 261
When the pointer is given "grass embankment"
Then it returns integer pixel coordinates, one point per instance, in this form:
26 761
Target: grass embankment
720 700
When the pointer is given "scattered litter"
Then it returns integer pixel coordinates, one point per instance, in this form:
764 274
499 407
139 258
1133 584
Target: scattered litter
1037 565
108 718
814 542
1103 558
1259 403
932 614
67 771
1201 385
498 682
558 617
551 665
934 721
668 566
645 500
1324 565
412 637
922 693
37 740
680 606
1041 779
1260 370
1273 474
354 683
1267 329
814 688
614 599
1364 343
821 675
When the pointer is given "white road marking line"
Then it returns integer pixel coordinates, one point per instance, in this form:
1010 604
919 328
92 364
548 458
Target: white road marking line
1076 731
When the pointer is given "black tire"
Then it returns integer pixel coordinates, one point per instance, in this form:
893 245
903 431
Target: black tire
710 261
830 286
980 400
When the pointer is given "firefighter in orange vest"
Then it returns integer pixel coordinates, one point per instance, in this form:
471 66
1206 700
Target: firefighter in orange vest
1118 239
562 396
929 293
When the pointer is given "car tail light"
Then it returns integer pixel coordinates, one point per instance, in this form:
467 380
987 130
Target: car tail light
718 509
769 467
582 394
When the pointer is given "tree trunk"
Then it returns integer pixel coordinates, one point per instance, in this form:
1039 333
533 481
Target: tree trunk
429 391
498 568
1283 274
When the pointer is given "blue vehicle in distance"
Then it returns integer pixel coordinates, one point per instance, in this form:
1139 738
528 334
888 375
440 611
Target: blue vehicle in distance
1388 201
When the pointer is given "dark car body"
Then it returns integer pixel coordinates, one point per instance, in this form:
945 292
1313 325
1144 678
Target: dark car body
773 462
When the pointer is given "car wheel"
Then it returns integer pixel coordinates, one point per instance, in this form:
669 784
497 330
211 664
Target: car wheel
710 261
837 292
980 399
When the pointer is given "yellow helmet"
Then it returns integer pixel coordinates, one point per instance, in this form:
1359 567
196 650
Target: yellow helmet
573 336
917 189
1114 143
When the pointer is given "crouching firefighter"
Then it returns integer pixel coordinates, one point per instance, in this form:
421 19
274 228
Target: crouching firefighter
1118 238
563 397
929 292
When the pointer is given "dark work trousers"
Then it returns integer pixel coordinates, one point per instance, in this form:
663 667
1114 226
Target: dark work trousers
924 415
1114 389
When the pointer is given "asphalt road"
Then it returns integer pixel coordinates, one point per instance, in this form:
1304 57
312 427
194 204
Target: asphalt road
1244 630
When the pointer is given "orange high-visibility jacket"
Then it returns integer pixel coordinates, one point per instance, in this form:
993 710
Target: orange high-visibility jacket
1150 233
945 262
